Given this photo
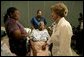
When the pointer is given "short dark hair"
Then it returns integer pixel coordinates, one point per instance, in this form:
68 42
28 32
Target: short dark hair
9 10
38 11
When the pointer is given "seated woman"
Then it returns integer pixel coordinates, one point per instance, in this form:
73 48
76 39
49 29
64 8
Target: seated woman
39 40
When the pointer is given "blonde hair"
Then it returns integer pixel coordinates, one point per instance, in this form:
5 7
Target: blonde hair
60 8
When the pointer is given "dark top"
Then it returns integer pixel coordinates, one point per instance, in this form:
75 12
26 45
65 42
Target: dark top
35 21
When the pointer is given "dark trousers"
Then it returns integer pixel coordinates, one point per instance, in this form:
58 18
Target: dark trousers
18 46
50 48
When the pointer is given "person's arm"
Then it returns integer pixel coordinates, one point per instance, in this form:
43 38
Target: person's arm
48 41
45 20
17 34
14 30
49 38
32 23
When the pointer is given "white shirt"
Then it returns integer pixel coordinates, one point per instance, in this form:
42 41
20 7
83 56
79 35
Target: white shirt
39 35
61 38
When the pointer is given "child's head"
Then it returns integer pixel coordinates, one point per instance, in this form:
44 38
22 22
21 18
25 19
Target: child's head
41 25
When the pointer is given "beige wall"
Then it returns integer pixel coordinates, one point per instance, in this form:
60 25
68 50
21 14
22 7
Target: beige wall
28 10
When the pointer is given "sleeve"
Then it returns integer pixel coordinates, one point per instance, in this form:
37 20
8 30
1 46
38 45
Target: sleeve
48 36
65 39
34 21
45 20
32 34
12 26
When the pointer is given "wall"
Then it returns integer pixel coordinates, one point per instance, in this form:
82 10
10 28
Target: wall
28 10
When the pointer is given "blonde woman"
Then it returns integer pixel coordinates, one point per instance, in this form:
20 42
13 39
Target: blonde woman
62 31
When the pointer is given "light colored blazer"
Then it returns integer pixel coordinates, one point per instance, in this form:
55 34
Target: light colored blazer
61 38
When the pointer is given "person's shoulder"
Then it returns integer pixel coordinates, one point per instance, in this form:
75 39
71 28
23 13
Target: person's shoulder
66 25
11 21
64 22
33 18
45 30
